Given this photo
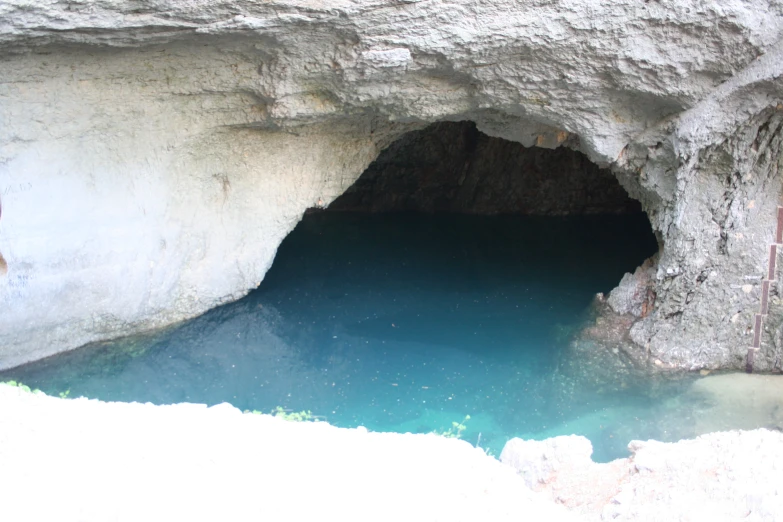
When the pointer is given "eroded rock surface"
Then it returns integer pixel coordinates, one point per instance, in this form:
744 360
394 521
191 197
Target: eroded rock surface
733 475
153 156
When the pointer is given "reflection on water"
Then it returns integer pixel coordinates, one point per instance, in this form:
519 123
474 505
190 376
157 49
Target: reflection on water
408 323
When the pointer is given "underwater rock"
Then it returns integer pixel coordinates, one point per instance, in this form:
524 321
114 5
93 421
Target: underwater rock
737 401
602 355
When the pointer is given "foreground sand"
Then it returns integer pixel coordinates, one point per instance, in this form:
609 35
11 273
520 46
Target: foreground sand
84 460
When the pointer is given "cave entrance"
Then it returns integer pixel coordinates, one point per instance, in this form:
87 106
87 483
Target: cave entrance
443 284
449 279
546 229
452 167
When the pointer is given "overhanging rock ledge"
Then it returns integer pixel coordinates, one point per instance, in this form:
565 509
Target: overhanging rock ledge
154 155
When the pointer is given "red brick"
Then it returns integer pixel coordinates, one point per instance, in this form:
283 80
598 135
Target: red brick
757 332
764 297
779 231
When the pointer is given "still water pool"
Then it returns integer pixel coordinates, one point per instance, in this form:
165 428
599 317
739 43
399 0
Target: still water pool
406 323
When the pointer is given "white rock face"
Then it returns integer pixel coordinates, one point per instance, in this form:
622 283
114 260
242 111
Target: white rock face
152 157
94 461
97 461
538 461
733 475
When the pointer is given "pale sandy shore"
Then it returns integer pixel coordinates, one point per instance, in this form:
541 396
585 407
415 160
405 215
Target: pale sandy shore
84 460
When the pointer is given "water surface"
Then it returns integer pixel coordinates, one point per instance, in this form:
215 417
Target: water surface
405 323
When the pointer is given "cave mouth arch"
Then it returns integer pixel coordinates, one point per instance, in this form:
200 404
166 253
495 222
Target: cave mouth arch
440 285
454 167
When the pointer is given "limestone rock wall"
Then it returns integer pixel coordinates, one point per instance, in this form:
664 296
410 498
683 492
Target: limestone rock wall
153 155
127 207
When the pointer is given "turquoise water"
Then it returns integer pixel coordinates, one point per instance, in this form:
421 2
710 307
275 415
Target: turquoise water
401 323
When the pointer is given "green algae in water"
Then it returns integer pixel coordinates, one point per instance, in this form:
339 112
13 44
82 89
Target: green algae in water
404 323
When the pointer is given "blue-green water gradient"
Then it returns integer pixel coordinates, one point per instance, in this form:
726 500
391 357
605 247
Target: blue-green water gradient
399 322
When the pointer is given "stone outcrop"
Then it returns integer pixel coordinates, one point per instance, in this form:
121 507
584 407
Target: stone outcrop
731 475
153 155
538 462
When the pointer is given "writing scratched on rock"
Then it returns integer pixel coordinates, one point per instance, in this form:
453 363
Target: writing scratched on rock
16 188
18 285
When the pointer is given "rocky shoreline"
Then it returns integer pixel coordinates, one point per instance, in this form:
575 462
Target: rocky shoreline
86 460
733 475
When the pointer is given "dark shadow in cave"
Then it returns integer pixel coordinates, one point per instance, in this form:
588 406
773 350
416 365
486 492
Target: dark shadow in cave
452 167
453 226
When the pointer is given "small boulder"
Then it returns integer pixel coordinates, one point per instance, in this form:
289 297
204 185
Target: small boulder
634 294
539 462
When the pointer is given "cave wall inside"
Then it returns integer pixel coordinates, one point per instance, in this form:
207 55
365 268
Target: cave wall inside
453 167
